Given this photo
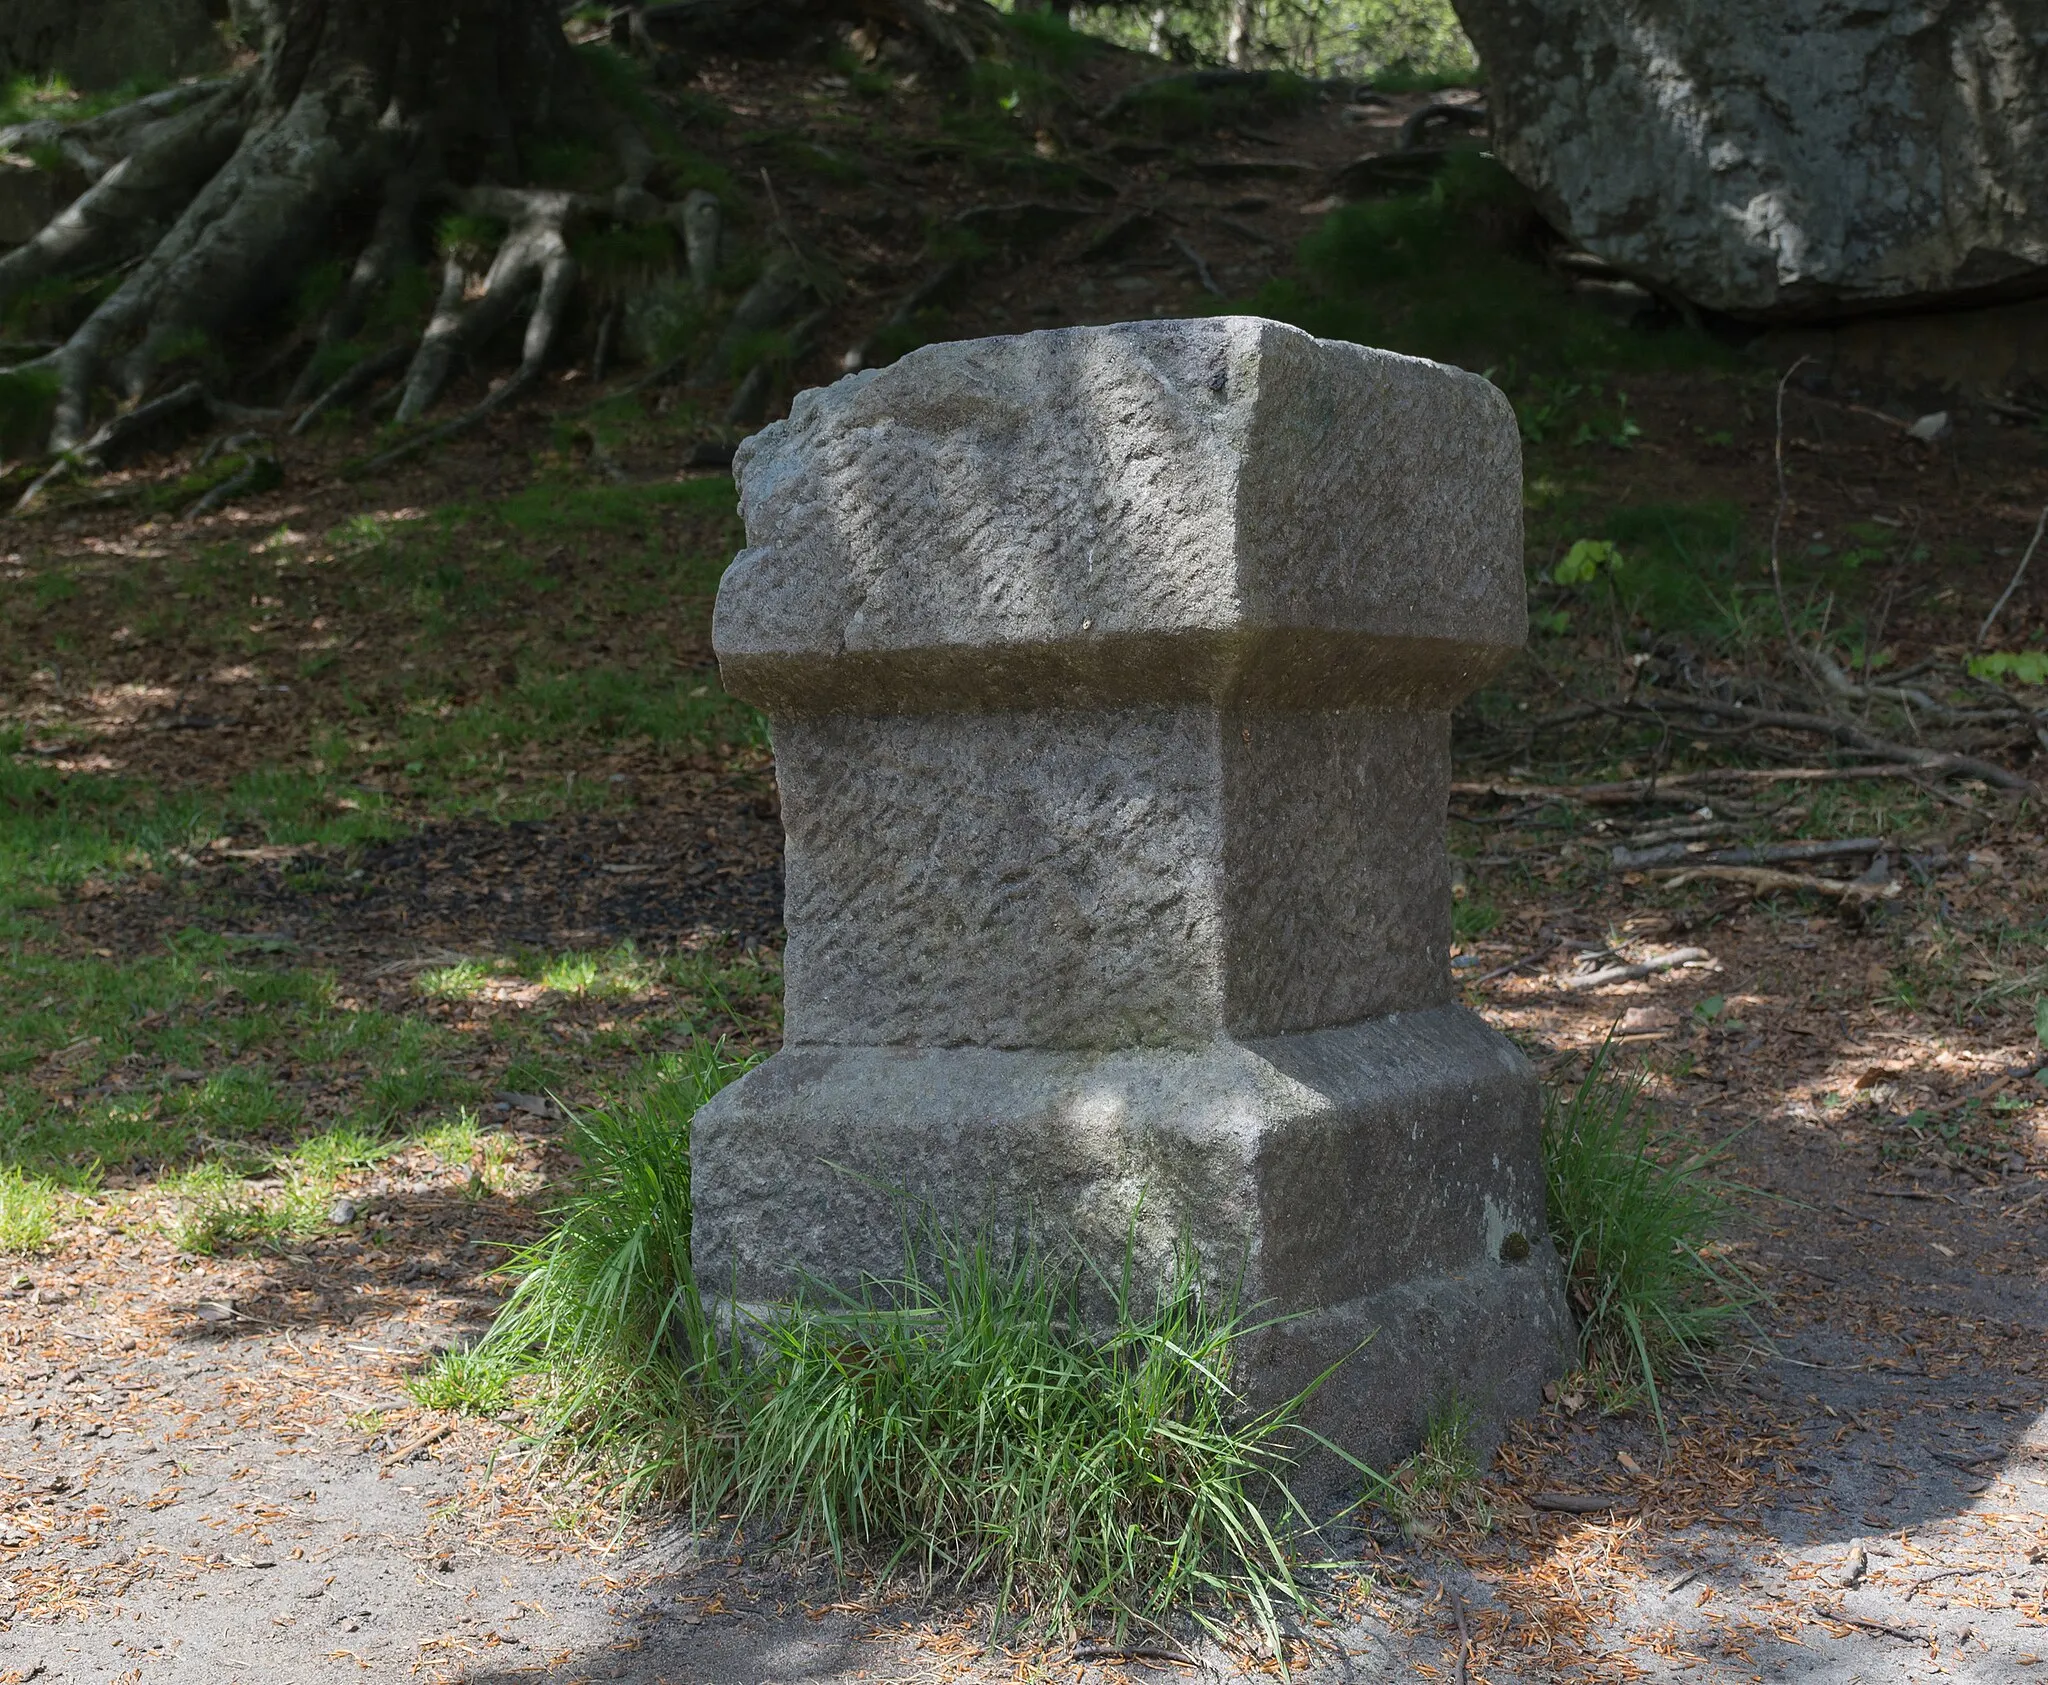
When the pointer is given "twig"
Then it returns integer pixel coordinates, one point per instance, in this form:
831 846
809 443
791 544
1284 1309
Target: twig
1763 879
1630 973
413 1447
1845 732
1945 1574
1521 964
1131 1653
1984 631
1462 1675
1847 1619
1784 500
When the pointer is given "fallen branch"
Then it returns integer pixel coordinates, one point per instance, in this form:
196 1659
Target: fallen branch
1630 973
1825 668
1763 879
1691 853
1845 732
1680 788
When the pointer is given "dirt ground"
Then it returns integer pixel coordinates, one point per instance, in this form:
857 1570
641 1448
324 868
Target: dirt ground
211 1468
214 1473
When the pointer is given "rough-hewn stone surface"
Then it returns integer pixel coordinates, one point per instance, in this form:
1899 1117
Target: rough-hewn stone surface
1783 159
1110 673
1159 512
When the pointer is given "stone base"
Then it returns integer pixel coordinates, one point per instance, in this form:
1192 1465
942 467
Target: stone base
1381 1178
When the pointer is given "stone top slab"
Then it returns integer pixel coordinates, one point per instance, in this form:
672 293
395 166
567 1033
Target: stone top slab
1225 508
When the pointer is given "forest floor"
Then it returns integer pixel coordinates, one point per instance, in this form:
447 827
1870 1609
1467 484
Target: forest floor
350 832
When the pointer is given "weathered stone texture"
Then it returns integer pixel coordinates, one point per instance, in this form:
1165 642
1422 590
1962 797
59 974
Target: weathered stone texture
1783 159
1111 877
1110 674
1145 514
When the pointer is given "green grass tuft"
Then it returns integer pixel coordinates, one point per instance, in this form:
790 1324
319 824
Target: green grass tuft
479 1383
1634 1214
988 1416
28 1210
1443 1481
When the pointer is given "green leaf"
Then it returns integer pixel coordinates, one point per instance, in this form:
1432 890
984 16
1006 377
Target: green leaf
2022 666
1584 561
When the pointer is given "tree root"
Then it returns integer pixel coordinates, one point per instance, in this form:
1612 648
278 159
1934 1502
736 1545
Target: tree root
556 278
119 215
358 379
259 473
204 200
534 259
389 246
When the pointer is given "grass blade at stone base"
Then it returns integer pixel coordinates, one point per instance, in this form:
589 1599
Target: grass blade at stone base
962 1415
965 1417
1633 1213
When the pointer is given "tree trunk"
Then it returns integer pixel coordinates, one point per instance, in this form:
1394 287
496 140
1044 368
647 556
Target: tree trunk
1244 25
350 96
394 111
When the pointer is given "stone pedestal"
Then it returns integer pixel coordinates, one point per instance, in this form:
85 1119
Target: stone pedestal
1110 673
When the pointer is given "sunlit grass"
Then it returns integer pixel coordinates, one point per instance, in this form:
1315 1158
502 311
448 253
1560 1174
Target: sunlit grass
1634 1214
28 1210
969 1416
464 980
612 973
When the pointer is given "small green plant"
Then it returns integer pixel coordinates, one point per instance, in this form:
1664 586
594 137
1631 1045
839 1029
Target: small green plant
1442 1481
1472 917
1587 560
479 1383
28 1210
1634 1213
2027 667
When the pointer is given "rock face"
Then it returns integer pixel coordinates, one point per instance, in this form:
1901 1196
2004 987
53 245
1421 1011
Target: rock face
1784 160
1110 673
103 43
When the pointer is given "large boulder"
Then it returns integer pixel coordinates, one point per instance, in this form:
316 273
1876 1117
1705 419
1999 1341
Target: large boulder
1784 160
